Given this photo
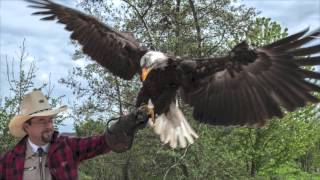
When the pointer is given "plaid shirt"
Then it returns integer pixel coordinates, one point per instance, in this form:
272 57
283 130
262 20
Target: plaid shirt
65 154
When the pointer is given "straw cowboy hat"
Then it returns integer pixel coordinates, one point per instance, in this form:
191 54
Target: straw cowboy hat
33 104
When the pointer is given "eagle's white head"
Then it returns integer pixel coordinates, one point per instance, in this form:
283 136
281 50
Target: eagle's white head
152 60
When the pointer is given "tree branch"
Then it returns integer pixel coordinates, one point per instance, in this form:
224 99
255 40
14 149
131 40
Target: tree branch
196 23
141 17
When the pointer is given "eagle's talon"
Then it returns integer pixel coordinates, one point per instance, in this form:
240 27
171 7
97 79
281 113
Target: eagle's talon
149 110
151 114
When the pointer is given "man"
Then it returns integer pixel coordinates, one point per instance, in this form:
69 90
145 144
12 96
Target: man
44 155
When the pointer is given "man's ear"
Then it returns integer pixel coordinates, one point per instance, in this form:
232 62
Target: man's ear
25 127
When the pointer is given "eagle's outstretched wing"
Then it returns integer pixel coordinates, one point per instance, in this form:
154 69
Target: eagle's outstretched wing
248 87
117 51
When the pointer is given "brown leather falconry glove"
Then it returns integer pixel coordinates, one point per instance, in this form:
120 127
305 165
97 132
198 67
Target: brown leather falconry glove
120 131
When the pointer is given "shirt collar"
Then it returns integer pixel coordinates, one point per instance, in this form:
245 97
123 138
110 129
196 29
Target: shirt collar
35 147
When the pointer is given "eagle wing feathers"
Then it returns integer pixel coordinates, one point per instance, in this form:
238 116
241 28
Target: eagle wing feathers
117 51
253 85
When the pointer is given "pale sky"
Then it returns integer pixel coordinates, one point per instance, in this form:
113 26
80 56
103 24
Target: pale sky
49 44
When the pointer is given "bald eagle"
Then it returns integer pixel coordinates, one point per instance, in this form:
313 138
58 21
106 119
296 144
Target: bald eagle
246 87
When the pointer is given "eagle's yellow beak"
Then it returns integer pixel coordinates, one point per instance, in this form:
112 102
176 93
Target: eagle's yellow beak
144 73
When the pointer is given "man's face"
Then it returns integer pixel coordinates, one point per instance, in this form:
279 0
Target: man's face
40 130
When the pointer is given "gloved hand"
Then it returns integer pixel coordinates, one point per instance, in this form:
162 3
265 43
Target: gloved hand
120 131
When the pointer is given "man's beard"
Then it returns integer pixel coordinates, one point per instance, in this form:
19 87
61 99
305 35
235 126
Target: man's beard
46 136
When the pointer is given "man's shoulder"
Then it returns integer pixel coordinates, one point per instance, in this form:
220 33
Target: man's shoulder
68 134
58 136
17 150
64 138
7 155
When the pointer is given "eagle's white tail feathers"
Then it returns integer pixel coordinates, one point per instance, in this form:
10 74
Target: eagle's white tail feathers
173 128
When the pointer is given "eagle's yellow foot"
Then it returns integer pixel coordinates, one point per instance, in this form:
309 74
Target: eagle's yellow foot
149 110
151 114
